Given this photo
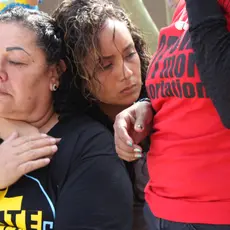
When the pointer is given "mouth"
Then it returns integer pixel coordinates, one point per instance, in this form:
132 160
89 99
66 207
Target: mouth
129 89
3 92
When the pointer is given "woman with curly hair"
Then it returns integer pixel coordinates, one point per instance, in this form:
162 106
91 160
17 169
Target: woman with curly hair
69 176
108 57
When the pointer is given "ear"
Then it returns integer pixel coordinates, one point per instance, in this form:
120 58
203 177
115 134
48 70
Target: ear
62 66
56 72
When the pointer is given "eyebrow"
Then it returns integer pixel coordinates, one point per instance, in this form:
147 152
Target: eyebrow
131 45
8 49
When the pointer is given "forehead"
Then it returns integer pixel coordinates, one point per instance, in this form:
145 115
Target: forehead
114 36
12 34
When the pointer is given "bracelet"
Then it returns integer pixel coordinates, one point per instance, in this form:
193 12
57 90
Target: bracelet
144 99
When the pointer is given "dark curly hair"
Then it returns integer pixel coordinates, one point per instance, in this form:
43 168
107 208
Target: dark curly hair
44 26
81 21
49 39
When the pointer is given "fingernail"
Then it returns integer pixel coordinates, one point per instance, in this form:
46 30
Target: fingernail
136 150
44 135
129 143
58 139
139 126
54 148
52 140
138 155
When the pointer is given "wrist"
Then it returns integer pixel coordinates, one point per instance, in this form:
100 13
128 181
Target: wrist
144 100
147 101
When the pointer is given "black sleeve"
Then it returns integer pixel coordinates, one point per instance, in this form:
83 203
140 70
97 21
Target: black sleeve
211 43
98 193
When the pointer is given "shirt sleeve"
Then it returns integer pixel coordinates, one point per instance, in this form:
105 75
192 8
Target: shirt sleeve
98 193
211 43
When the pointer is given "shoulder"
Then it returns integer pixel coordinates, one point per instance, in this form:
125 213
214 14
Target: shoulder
89 127
77 125
82 138
85 135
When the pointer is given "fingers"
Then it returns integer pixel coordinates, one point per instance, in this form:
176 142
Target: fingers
144 116
139 124
26 139
128 153
33 165
121 144
129 156
35 154
121 126
25 144
39 143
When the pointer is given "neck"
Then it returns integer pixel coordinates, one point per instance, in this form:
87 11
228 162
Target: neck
42 125
112 110
46 122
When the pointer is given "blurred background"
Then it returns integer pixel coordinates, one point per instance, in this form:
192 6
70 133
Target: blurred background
156 8
148 15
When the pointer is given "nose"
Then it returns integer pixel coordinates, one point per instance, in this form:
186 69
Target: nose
3 76
127 71
3 73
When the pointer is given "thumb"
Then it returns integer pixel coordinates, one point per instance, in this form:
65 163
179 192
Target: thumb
139 124
13 136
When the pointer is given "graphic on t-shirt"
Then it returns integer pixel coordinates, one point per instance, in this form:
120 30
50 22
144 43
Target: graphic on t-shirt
26 205
173 70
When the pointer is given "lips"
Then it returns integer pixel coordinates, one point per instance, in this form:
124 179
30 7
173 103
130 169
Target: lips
2 91
129 88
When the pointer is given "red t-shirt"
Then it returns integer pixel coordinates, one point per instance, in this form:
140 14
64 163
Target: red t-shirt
189 157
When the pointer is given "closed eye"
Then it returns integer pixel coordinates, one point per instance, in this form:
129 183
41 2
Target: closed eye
131 54
107 66
16 63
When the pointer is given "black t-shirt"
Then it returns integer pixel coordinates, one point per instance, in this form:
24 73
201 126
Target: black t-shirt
86 186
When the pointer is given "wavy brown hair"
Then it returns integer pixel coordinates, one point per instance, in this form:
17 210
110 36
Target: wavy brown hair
81 22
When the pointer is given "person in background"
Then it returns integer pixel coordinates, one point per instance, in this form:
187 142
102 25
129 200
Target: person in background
189 155
67 175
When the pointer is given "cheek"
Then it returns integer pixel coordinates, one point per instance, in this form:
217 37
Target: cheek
137 67
31 88
104 88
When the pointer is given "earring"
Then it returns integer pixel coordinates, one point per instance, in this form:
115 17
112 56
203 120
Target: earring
54 87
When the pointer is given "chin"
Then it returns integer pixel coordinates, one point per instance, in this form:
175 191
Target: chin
127 101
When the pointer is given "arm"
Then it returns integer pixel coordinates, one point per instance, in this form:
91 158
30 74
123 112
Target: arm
132 126
210 40
97 194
